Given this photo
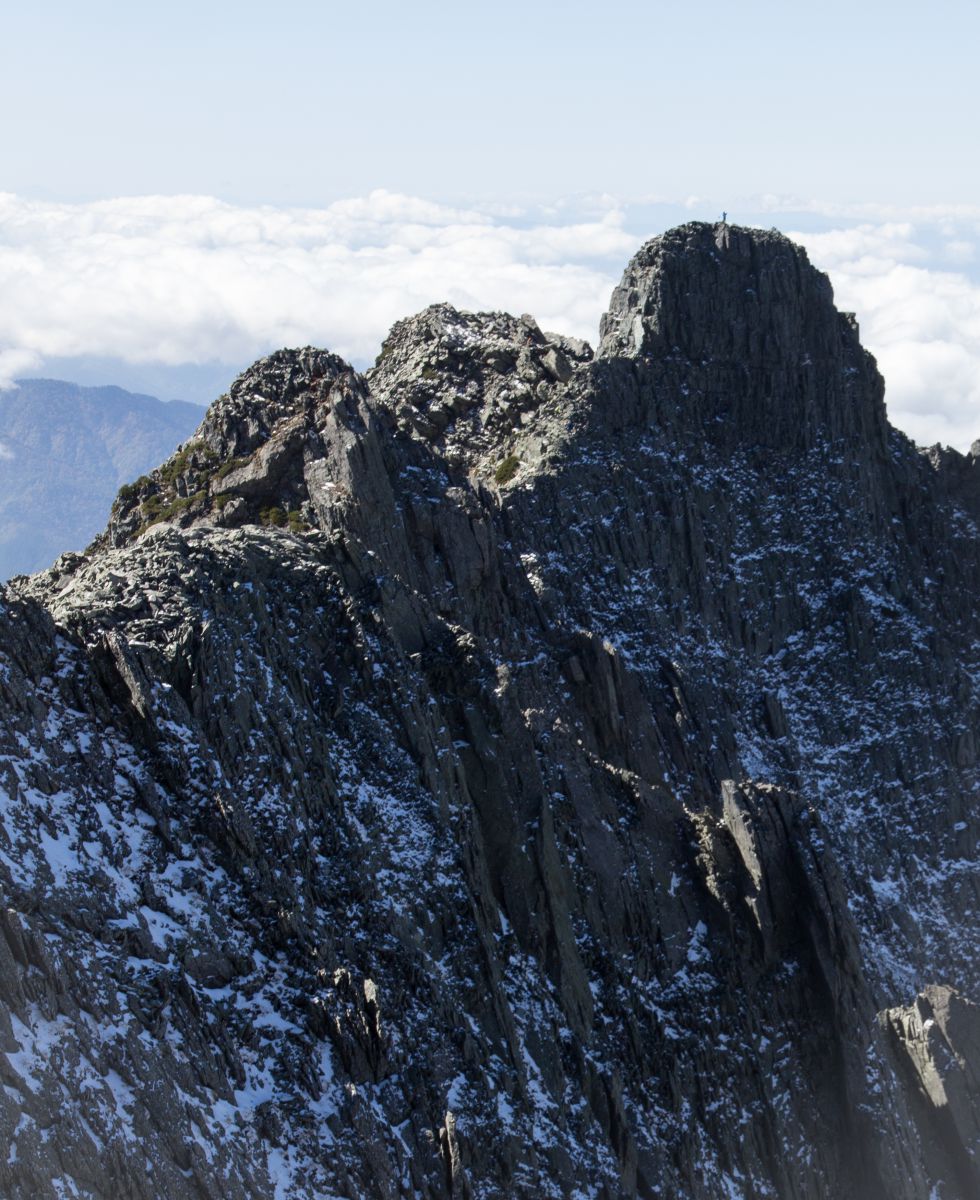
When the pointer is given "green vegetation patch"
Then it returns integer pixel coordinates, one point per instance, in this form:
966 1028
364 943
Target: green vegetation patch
506 471
231 464
273 516
182 503
129 491
154 510
180 462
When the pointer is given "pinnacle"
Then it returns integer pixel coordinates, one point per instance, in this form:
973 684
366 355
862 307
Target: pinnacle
466 382
746 327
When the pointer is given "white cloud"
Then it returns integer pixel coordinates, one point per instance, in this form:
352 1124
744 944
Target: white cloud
190 279
919 318
16 360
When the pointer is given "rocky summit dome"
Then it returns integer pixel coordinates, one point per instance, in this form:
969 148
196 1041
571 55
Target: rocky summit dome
509 772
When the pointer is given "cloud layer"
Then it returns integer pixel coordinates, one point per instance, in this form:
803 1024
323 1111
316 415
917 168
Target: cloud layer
189 279
920 315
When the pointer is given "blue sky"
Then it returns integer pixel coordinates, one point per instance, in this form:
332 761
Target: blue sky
188 186
303 103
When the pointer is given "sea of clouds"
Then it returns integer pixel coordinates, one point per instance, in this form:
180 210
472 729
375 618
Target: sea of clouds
167 282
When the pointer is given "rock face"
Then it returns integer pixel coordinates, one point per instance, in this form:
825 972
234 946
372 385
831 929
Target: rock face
511 772
64 450
936 1042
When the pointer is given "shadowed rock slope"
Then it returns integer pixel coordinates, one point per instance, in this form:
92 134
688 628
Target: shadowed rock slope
512 772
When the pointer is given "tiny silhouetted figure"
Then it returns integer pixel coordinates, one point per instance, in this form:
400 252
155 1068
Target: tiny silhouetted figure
724 217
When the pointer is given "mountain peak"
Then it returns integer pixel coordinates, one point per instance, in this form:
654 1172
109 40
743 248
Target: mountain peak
732 334
739 322
273 390
577 809
466 382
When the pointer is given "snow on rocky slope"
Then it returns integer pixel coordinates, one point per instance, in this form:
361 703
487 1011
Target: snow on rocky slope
515 771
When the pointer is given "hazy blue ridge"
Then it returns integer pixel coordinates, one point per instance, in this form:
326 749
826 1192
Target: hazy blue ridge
64 452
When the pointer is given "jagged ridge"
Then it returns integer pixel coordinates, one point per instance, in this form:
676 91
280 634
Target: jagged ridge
560 830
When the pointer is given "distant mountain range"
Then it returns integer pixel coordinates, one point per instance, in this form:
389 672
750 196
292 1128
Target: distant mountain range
64 452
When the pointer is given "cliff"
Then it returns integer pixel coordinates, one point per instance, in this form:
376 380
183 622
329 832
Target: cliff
514 771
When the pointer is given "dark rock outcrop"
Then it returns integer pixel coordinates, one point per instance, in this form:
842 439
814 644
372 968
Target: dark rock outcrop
936 1044
510 772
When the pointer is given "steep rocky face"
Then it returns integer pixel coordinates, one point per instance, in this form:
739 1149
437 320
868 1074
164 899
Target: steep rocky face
749 342
936 1043
509 773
